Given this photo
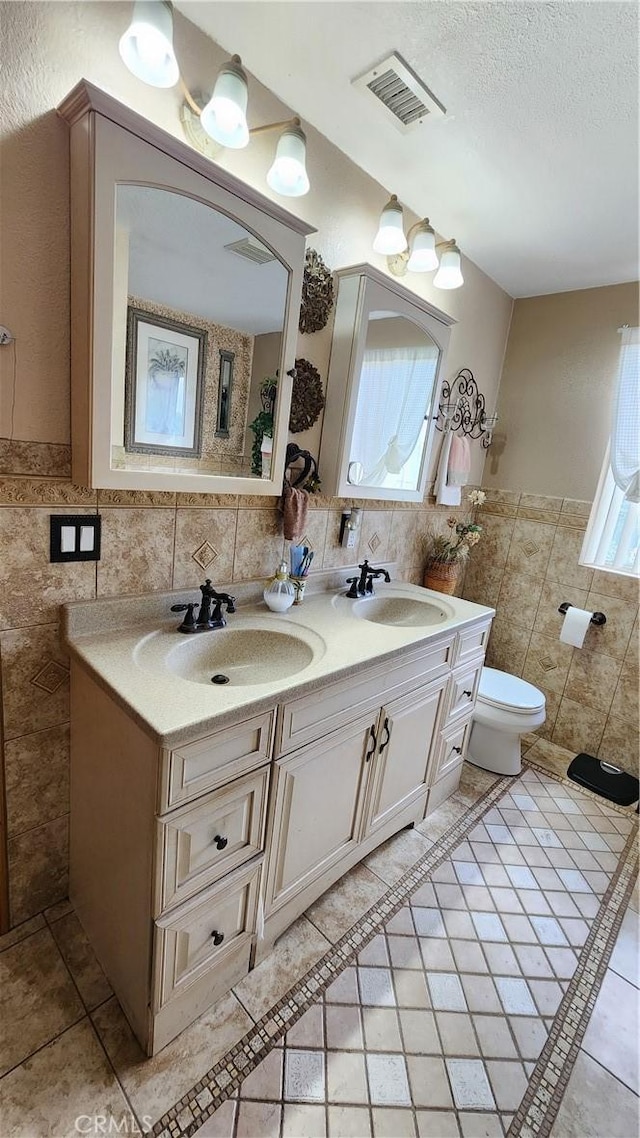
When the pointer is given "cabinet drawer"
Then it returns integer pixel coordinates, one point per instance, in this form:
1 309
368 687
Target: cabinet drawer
463 688
200 936
313 716
451 750
200 843
471 642
195 768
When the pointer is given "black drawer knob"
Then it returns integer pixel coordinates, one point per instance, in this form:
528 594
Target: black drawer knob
220 842
457 750
468 694
217 937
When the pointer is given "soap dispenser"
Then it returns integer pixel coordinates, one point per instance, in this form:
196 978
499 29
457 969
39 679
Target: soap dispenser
280 593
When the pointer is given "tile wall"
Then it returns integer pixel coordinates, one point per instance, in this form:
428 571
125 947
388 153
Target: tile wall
525 568
150 541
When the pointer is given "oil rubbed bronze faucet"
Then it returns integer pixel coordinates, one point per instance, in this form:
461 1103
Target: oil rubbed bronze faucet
362 586
210 612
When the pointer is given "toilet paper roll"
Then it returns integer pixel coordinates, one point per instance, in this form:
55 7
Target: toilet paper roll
574 626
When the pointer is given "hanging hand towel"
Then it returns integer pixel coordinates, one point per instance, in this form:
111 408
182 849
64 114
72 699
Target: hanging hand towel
295 504
459 462
446 495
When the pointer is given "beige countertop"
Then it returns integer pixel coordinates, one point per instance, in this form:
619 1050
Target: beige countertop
124 643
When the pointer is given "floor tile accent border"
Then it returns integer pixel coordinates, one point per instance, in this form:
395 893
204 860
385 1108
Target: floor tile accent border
186 1117
539 1108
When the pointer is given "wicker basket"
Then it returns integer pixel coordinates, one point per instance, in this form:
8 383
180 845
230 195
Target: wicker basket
441 576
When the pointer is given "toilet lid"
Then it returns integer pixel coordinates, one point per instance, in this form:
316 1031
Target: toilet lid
504 690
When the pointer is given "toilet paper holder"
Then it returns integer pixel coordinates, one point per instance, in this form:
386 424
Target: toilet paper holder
597 618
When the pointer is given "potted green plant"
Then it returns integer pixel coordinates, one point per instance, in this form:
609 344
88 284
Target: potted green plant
445 553
263 423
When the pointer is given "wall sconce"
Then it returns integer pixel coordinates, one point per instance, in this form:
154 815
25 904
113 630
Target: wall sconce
462 409
146 48
417 252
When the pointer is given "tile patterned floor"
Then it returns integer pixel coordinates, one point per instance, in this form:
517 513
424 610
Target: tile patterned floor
450 1019
436 1027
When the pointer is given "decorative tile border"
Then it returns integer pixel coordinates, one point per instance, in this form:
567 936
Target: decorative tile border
51 460
553 1069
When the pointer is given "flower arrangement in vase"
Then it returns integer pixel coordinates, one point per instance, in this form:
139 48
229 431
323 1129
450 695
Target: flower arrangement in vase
447 552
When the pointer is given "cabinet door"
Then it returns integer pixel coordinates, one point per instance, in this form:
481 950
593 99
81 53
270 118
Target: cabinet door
406 734
317 809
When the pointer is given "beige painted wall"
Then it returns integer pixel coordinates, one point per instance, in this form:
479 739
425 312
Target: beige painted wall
556 391
52 46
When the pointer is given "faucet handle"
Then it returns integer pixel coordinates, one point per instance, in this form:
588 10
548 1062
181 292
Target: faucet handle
231 603
353 591
189 622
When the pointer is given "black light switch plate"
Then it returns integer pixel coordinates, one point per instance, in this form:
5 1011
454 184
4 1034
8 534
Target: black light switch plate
75 537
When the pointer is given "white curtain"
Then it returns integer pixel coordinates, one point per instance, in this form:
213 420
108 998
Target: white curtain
612 540
395 391
625 434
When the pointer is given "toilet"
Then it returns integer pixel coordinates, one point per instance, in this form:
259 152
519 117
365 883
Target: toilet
506 708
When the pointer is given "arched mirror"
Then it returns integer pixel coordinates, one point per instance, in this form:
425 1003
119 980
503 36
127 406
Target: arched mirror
185 294
395 396
199 312
378 426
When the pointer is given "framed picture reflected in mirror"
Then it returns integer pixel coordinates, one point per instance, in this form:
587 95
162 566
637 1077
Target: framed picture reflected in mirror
164 381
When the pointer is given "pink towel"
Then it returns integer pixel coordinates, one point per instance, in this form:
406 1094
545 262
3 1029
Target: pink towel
295 505
459 462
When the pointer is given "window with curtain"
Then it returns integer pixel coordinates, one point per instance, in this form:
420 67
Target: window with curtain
612 540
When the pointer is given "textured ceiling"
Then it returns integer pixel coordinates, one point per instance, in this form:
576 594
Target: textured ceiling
534 169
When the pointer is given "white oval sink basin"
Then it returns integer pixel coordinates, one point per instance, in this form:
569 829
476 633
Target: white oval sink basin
401 612
230 656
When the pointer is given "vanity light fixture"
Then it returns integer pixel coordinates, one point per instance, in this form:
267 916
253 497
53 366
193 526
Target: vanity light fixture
449 275
418 252
147 50
288 174
225 116
147 45
390 238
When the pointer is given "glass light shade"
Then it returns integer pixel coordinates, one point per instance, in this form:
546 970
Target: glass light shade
424 258
449 275
225 116
390 237
288 174
146 47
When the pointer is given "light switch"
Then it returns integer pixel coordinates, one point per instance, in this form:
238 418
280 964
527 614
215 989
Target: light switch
68 539
87 538
74 537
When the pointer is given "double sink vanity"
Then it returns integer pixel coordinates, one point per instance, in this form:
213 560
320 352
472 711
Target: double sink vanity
220 783
207 816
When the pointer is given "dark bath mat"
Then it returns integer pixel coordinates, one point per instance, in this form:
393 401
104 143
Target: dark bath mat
605 779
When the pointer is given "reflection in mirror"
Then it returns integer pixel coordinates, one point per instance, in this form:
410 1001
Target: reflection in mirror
224 394
199 309
395 400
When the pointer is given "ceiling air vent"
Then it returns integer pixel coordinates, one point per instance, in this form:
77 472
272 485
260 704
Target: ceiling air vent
252 250
408 103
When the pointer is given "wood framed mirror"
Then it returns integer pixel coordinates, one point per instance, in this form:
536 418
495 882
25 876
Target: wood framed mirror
185 293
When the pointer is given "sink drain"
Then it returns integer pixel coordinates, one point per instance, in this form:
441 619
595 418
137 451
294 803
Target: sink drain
219 678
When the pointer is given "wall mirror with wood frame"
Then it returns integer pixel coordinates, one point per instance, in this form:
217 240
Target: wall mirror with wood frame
185 297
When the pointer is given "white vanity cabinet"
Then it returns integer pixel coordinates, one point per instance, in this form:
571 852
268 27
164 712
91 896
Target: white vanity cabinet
188 861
